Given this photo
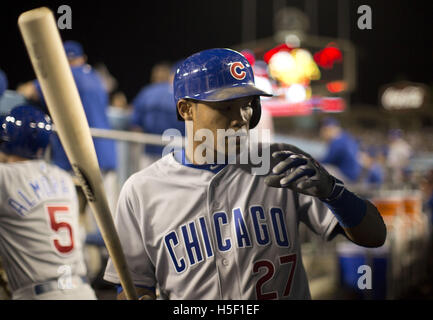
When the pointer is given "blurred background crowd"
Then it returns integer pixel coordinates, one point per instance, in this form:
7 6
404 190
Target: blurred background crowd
380 146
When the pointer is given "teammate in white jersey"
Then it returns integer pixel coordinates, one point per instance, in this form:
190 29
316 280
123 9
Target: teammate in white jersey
221 231
39 241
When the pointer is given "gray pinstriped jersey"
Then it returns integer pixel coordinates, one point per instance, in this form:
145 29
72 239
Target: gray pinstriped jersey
39 235
201 235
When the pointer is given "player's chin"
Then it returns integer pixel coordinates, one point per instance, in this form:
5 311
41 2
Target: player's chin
234 144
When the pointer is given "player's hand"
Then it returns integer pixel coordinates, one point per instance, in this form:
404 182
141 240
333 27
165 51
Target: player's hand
298 171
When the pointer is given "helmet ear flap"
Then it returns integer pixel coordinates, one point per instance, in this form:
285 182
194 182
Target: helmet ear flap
257 112
179 117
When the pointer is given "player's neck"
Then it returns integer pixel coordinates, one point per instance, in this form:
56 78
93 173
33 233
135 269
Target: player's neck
11 158
192 158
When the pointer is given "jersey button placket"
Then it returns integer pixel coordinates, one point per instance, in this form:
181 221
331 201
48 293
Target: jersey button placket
224 260
213 207
216 204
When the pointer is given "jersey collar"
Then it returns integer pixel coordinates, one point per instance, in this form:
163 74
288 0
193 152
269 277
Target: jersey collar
180 157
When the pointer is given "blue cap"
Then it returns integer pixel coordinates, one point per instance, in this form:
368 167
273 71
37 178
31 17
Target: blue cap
73 49
3 82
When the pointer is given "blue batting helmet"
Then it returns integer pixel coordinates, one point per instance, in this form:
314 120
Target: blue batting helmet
25 132
217 75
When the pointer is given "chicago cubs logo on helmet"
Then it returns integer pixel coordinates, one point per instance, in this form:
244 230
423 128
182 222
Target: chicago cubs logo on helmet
234 70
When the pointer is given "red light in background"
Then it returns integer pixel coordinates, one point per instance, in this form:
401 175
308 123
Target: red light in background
328 56
332 105
282 47
282 108
336 86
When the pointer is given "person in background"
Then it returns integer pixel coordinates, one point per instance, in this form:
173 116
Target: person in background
399 154
161 72
373 174
153 110
342 152
119 111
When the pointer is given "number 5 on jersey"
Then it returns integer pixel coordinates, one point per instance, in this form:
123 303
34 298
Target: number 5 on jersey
59 218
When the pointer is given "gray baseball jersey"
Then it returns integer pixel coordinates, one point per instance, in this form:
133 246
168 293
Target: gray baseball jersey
222 234
39 238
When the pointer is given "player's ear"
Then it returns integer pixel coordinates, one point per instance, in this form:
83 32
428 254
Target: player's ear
185 109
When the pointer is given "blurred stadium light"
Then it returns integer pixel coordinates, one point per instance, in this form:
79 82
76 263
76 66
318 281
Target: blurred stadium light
325 67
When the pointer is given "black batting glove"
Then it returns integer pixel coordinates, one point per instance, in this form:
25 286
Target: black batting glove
300 172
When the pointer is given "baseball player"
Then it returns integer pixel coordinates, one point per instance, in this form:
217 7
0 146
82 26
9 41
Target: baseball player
217 231
39 241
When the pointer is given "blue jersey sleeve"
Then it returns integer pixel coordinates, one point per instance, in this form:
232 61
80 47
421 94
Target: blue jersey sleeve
333 154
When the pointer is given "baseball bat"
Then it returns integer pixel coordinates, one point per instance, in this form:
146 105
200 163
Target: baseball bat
45 48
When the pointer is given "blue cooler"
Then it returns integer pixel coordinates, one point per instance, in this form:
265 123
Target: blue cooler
350 258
